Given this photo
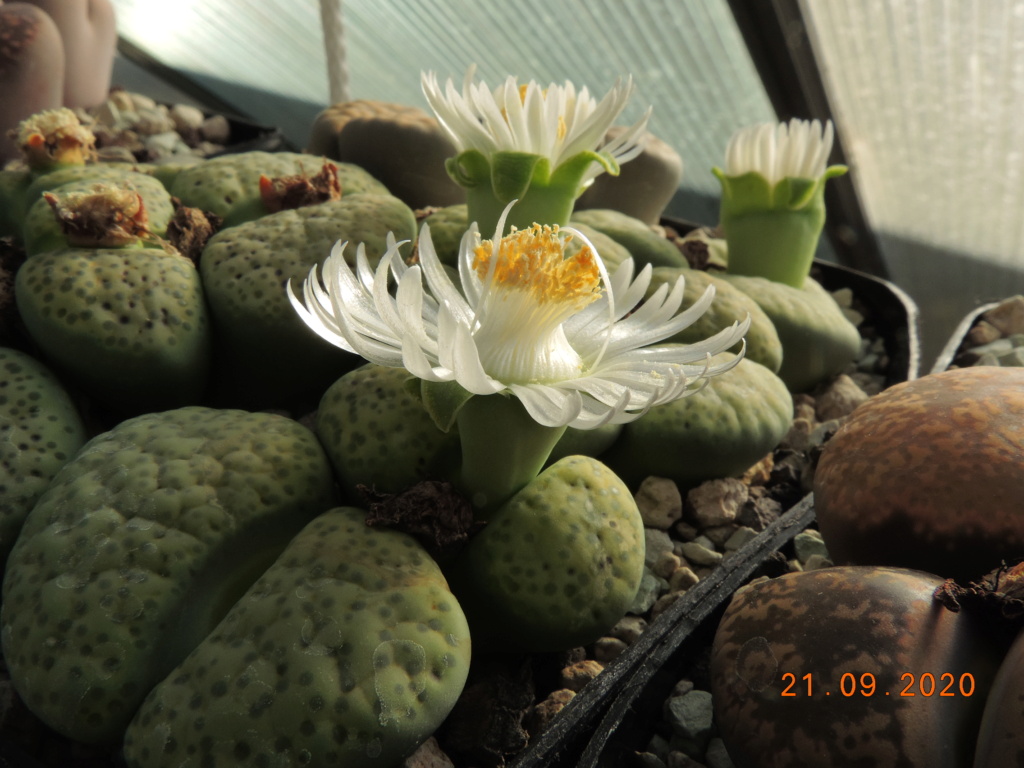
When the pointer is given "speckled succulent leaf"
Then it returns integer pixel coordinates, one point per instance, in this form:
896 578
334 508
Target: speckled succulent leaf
265 348
229 185
762 340
47 182
42 232
108 584
447 226
644 244
349 650
719 431
128 326
40 430
377 433
557 565
818 341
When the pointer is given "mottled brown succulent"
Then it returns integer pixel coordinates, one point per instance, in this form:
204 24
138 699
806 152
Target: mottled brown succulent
849 666
929 474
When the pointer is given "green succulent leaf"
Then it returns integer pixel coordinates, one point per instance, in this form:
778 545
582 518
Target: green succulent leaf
443 401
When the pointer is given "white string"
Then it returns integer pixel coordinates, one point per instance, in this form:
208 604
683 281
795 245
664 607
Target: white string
334 46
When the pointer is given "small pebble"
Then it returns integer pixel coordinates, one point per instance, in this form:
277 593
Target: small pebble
629 629
699 554
682 580
667 564
741 536
607 649
691 718
660 502
1008 316
650 588
716 755
807 543
719 534
982 333
663 603
814 562
542 713
428 755
216 129
578 674
717 502
658 543
839 399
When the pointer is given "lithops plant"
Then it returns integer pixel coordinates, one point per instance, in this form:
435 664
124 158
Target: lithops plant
126 325
139 547
719 431
557 565
40 430
818 341
147 208
349 650
229 186
929 474
31 71
762 343
266 354
849 666
644 244
378 434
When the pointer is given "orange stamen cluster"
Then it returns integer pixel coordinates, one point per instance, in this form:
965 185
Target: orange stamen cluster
534 260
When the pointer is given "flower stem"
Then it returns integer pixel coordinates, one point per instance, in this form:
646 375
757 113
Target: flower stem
503 449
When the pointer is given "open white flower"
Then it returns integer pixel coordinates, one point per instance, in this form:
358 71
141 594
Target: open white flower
556 122
558 333
799 149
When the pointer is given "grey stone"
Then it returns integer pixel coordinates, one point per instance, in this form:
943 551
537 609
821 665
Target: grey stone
658 543
700 554
740 536
691 718
807 543
717 756
650 588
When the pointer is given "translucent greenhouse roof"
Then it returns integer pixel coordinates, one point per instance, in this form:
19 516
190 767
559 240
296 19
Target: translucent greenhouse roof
925 95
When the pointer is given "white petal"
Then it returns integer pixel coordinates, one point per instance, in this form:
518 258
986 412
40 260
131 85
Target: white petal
549 406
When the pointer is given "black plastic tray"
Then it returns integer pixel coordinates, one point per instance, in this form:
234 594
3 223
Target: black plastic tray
949 352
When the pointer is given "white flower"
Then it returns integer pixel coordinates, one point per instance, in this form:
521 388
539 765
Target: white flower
777 150
556 122
558 333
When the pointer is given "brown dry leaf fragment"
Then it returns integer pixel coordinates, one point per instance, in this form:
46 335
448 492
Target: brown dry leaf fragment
190 229
105 217
431 511
297 191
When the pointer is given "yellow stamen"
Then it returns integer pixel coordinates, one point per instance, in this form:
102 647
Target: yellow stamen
534 260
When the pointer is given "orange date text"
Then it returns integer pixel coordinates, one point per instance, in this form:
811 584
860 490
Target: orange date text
926 684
